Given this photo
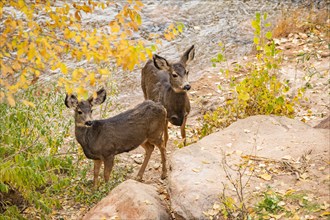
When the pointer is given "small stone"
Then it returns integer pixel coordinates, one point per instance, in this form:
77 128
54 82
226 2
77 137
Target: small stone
197 28
138 160
156 166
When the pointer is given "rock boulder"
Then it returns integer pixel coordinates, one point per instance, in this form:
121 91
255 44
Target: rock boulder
130 200
196 174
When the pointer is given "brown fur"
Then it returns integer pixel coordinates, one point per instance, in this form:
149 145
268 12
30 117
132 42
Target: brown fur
167 83
102 139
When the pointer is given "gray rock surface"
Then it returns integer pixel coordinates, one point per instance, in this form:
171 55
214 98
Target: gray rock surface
131 200
196 173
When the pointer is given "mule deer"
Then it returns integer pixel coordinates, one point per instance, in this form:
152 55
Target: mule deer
168 83
102 139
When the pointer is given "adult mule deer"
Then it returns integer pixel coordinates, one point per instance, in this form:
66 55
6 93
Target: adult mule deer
102 139
166 82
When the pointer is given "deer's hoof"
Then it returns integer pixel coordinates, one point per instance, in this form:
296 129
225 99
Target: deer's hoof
138 178
163 176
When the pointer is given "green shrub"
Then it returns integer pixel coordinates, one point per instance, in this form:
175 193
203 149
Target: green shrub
42 167
31 136
260 92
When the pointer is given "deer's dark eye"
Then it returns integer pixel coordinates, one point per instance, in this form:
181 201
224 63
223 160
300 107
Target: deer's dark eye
187 72
174 75
92 111
79 112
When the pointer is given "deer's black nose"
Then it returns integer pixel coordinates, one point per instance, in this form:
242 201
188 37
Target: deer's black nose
89 123
187 87
174 119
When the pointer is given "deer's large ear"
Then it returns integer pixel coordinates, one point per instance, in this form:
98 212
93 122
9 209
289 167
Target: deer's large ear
188 56
71 101
99 98
161 63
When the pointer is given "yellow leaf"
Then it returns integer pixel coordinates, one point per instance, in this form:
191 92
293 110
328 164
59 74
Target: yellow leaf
175 32
68 89
77 15
31 52
325 214
78 39
82 93
143 57
149 53
289 192
75 75
6 69
27 103
139 3
265 176
104 71
11 100
171 26
2 95
63 68
21 3
86 8
92 79
66 33
114 27
16 65
167 36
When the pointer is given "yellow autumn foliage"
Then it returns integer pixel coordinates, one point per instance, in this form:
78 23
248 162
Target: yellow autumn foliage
43 38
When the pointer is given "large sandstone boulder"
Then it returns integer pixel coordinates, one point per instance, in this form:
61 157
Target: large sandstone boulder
131 200
197 174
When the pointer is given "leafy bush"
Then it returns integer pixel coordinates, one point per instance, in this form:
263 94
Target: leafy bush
260 91
40 163
31 136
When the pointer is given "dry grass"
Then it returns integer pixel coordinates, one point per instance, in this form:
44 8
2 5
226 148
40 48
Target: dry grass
302 20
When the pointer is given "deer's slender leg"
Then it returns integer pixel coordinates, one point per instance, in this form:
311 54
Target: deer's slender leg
183 130
97 167
163 156
108 164
149 148
166 133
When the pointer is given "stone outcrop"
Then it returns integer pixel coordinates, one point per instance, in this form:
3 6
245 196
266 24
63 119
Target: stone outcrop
130 200
196 172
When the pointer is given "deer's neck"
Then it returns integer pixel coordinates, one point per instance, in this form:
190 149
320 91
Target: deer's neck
85 138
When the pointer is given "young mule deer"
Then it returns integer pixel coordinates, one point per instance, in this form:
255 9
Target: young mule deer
102 139
168 83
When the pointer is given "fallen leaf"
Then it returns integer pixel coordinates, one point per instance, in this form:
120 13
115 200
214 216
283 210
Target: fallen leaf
304 176
279 216
321 168
196 170
289 192
265 176
325 214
